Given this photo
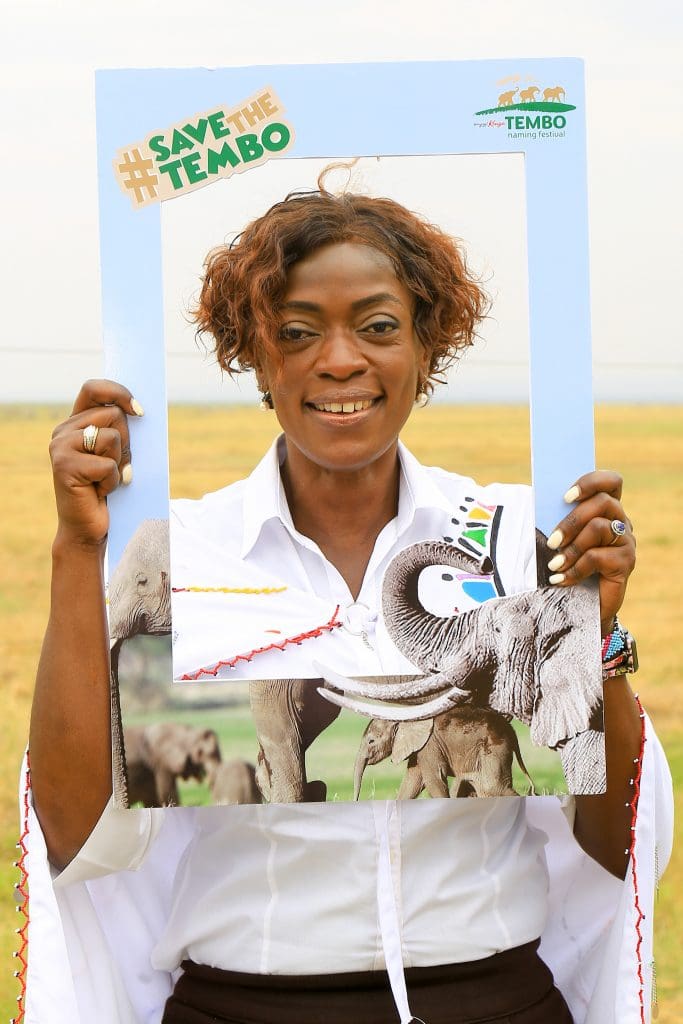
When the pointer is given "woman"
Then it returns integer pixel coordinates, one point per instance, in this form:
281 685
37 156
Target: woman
347 309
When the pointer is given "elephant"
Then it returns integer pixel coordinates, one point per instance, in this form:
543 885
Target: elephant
288 714
554 93
474 745
505 98
234 782
139 604
532 656
158 755
529 94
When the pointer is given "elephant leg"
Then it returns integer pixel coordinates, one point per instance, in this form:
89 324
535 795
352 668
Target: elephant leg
167 789
413 783
435 777
281 773
141 785
286 772
289 714
495 774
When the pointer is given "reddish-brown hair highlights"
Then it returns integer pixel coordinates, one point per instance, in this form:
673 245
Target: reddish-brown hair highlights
245 281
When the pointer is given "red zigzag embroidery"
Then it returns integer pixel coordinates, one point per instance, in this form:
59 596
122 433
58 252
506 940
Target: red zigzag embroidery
212 670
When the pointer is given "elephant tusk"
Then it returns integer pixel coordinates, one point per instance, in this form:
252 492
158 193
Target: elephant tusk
402 688
398 713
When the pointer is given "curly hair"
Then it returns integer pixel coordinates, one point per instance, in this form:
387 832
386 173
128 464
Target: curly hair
244 282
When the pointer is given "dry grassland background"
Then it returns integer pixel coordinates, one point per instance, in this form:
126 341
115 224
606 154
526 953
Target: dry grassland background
644 442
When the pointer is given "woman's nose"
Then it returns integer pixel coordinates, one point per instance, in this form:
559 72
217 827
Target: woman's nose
340 355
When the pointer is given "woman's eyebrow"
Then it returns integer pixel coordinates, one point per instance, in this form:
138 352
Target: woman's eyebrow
310 307
371 300
368 300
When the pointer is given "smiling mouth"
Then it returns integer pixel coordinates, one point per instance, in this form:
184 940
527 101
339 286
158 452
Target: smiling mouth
343 407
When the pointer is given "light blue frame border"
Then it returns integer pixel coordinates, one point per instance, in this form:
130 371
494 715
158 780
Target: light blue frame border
364 110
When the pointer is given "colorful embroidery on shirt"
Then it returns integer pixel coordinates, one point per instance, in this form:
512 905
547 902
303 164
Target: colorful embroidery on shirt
21 891
213 670
228 590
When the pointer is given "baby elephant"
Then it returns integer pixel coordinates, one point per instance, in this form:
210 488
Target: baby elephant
158 755
473 745
235 783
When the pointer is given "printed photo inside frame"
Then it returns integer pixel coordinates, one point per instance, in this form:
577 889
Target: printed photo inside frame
447 674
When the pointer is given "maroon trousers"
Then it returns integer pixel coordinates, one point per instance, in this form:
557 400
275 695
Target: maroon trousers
514 987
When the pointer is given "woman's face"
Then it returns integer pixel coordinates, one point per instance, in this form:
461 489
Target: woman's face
352 360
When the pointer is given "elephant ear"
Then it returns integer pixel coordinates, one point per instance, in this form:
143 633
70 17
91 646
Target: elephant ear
410 737
568 676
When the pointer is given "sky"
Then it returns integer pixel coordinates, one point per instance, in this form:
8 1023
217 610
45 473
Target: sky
49 263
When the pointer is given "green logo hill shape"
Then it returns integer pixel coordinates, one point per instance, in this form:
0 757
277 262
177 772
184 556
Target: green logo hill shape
544 108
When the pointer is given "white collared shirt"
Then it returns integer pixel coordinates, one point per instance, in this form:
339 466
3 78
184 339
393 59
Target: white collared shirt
293 889
246 528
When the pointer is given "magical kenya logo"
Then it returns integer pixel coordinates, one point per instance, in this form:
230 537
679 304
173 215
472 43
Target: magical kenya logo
532 112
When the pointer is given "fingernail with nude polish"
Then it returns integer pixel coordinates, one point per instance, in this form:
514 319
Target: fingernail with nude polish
136 407
126 474
557 578
556 563
572 495
555 539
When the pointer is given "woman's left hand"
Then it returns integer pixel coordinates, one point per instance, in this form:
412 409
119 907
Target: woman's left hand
584 544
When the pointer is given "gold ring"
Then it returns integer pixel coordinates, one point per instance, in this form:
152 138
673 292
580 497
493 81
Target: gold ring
90 438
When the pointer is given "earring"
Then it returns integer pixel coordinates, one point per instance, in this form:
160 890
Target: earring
266 402
422 393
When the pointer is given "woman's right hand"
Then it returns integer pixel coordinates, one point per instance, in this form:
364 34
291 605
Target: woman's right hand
82 480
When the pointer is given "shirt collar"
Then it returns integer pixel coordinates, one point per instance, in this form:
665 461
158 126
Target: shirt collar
264 496
265 499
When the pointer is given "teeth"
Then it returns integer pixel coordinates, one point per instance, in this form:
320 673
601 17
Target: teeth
343 406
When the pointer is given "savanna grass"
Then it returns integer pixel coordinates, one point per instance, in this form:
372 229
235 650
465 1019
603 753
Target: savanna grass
487 442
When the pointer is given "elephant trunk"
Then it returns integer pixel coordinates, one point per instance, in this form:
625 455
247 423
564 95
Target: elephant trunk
420 635
119 767
358 772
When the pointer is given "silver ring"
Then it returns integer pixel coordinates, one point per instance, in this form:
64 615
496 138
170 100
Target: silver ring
618 529
90 438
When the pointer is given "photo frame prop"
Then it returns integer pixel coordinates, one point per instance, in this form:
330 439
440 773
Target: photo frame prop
165 133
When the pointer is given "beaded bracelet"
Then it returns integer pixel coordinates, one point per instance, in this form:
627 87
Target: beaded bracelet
619 654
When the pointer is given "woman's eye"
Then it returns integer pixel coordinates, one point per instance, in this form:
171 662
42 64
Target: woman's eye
381 327
290 333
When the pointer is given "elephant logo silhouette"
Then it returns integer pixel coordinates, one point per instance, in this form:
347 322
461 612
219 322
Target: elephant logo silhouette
505 98
542 99
528 95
